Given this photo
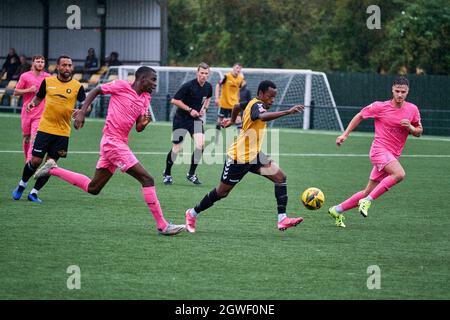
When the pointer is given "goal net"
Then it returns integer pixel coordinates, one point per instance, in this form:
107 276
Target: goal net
305 87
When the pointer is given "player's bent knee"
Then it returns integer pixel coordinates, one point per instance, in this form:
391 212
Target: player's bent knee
36 162
147 181
200 147
177 148
280 178
400 177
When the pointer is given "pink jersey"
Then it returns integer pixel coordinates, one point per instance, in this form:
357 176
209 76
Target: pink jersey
125 106
27 80
389 134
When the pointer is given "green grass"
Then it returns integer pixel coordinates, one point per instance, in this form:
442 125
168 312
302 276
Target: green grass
237 252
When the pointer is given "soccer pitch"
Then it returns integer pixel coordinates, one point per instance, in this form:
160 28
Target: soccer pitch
237 252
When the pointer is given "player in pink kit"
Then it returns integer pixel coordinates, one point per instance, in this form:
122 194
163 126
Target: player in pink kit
128 106
394 119
28 86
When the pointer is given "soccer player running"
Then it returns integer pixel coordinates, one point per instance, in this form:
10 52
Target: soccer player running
394 119
28 85
61 93
227 95
128 106
192 101
245 155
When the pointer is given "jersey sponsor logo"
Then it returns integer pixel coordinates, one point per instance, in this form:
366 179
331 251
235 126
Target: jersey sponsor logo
396 130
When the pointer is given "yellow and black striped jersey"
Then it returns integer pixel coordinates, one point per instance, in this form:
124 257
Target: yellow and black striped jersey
229 95
249 142
60 100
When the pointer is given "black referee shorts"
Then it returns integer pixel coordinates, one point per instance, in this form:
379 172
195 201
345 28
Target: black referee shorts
183 126
55 146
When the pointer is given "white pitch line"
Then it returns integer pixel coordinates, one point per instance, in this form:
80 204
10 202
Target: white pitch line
331 155
283 130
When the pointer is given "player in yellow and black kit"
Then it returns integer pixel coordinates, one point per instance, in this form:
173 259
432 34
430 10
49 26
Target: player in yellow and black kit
227 94
245 155
61 93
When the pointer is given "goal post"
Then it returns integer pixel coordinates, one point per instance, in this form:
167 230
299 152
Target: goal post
294 86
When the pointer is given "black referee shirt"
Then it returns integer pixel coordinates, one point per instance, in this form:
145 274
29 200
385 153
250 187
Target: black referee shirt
192 95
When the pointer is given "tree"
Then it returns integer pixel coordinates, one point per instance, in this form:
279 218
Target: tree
323 35
419 38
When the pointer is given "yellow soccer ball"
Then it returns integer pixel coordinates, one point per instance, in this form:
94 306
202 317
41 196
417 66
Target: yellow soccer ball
313 198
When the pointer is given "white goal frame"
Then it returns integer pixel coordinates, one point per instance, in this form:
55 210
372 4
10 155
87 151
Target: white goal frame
123 72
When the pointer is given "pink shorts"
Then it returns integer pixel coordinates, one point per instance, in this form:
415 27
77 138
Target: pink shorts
30 125
380 159
115 154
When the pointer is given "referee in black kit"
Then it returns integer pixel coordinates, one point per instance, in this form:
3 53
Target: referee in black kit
192 100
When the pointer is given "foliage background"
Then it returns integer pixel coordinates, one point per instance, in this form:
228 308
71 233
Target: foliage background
322 35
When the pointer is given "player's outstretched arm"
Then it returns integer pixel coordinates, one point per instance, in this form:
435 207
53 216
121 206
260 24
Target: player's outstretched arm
217 94
33 103
269 116
81 115
351 126
40 95
180 104
143 121
19 92
416 131
205 107
234 113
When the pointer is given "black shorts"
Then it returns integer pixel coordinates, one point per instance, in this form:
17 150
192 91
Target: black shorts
234 171
55 146
224 113
183 126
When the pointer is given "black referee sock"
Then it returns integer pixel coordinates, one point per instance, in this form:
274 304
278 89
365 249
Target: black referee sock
28 171
282 197
207 201
171 156
195 159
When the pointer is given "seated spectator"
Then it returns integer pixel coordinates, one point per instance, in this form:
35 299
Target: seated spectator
91 65
113 60
11 64
23 67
